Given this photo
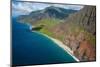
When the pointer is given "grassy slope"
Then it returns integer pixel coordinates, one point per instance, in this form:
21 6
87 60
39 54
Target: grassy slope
48 24
73 29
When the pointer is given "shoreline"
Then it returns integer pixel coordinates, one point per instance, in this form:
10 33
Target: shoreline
60 44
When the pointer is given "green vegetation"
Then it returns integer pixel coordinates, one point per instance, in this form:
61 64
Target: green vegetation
38 27
48 24
46 31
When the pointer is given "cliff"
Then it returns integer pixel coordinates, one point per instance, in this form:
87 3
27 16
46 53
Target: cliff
86 17
79 33
77 30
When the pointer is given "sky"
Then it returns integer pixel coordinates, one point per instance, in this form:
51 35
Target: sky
23 8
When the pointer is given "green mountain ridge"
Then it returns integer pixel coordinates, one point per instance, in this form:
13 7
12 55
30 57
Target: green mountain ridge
49 12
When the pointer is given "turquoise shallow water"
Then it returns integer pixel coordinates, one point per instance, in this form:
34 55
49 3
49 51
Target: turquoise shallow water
30 48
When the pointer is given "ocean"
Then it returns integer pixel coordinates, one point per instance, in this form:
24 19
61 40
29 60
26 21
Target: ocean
31 48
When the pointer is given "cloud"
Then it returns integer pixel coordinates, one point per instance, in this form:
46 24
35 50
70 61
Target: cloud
22 8
73 7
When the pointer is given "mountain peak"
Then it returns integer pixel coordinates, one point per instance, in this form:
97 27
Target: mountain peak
49 12
53 8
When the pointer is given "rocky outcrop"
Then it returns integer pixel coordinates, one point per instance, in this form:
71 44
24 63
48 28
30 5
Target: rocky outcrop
81 48
85 52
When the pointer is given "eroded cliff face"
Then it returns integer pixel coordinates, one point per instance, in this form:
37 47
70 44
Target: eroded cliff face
79 33
86 17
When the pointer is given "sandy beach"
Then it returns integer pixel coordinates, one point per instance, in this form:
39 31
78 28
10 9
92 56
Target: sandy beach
60 44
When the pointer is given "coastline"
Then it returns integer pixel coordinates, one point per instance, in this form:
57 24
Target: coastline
60 44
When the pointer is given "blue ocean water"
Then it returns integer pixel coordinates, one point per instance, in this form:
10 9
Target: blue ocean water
31 48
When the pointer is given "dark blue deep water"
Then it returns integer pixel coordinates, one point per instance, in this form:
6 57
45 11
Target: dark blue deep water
31 48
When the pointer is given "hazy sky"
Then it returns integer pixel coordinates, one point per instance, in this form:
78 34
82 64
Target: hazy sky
21 8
